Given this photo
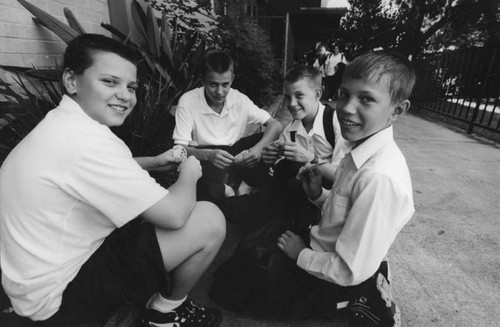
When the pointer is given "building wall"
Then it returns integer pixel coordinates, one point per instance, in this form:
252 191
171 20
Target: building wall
26 44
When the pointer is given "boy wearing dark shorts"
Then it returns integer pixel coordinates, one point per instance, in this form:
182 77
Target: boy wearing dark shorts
72 247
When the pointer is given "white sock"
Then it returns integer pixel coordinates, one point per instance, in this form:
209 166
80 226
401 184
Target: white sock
228 191
159 303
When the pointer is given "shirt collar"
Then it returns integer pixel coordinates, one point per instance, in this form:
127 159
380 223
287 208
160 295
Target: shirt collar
317 124
370 146
205 108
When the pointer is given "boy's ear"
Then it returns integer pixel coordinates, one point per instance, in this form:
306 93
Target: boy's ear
319 92
400 109
69 81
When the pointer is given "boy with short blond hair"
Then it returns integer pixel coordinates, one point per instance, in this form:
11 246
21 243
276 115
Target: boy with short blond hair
304 140
371 199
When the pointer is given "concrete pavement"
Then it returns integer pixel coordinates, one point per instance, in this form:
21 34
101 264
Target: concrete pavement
445 262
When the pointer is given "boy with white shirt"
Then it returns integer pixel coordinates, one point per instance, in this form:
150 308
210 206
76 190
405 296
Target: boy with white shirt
73 249
371 199
306 139
211 122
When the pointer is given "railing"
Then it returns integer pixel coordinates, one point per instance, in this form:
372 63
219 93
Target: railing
461 84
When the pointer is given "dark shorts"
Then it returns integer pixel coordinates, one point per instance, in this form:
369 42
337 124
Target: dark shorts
211 187
126 270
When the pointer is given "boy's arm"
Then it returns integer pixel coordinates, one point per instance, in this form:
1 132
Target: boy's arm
172 211
380 208
271 133
161 162
219 158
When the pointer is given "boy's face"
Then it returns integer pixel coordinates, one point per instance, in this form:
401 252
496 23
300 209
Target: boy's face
302 99
217 87
105 90
364 108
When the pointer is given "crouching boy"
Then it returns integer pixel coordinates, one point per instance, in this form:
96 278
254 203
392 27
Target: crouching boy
72 249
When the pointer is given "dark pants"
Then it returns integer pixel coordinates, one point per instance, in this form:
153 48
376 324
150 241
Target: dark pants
126 270
210 186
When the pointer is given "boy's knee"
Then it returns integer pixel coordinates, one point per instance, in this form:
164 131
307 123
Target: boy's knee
213 220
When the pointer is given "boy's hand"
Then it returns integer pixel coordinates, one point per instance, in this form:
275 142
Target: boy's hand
165 162
250 158
295 152
311 183
291 244
270 154
220 158
190 167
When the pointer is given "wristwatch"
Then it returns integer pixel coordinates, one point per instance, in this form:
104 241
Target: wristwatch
315 160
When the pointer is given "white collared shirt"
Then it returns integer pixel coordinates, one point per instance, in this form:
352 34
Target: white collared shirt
196 124
315 140
369 203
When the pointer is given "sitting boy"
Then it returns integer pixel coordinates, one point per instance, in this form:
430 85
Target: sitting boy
308 138
311 137
371 199
72 249
210 124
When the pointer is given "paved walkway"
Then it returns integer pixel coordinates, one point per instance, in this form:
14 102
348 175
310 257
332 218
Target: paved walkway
445 262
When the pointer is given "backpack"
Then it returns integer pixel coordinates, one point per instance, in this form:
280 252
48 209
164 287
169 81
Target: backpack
328 125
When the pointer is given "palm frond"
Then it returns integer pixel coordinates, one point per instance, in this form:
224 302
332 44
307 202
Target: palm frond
72 21
65 32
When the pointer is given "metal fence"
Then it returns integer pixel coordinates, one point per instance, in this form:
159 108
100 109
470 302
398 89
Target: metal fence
461 84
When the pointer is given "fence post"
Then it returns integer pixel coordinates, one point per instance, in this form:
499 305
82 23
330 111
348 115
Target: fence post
480 97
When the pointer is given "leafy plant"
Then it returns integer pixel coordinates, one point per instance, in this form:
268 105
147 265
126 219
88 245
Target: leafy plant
24 109
256 68
170 68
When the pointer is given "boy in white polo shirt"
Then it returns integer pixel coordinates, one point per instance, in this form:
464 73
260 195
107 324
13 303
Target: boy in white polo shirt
72 247
211 122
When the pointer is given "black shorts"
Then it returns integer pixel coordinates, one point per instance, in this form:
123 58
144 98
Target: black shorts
126 269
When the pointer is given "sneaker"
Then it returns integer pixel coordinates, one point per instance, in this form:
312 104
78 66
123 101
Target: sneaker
186 315
375 307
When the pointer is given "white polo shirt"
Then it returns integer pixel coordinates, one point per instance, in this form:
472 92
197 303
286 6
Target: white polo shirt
63 189
196 124
369 203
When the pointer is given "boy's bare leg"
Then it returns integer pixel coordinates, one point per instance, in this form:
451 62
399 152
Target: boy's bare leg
187 252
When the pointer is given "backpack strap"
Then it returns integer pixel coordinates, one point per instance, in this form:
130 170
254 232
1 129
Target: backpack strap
328 125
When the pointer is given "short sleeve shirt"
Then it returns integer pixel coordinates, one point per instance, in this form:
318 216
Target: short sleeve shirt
63 190
196 124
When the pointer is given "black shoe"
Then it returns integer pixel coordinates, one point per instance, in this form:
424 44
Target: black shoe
186 315
375 307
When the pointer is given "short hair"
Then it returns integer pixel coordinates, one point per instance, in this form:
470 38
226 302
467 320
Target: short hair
385 66
79 53
322 45
303 72
217 61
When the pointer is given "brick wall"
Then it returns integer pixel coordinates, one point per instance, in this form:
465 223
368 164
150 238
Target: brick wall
24 44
